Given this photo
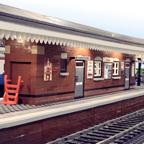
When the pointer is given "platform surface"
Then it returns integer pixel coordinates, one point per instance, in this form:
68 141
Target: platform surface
21 114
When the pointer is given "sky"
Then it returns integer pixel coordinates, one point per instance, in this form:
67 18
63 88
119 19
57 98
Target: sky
119 16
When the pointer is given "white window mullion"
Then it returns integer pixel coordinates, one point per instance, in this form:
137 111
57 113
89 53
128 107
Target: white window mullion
116 68
97 68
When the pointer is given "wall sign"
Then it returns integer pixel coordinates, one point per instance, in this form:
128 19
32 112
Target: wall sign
2 42
107 70
122 69
78 83
106 59
132 70
82 58
2 52
47 69
89 69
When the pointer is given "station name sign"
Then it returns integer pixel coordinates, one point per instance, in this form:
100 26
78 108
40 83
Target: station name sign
80 57
106 59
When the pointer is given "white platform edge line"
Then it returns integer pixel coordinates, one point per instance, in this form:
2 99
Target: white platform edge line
31 117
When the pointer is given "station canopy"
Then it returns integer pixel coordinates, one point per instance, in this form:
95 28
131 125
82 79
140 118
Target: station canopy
21 24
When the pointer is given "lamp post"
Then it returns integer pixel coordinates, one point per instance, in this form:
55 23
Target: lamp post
139 69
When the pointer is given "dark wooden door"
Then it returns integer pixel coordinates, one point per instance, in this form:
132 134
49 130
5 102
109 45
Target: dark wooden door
22 69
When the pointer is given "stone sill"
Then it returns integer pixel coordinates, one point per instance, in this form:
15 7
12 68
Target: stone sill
64 74
116 77
98 79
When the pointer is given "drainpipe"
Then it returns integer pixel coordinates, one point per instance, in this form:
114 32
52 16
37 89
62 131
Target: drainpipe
139 69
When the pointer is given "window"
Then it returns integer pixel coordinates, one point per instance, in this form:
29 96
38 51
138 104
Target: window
63 70
97 67
116 67
63 65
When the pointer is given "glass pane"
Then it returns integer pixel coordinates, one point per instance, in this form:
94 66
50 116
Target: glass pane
63 65
79 63
96 71
116 71
96 65
113 71
116 65
127 65
99 65
99 72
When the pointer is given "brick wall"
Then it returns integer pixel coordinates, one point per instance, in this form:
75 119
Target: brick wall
16 64
25 134
56 127
60 88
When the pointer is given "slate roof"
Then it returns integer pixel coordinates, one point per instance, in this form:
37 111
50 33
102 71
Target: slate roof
12 14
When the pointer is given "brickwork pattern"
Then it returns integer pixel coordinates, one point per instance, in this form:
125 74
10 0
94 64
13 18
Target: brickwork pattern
56 127
34 84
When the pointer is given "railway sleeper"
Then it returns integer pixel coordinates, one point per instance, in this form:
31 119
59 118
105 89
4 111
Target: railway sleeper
128 136
119 141
124 139
132 122
86 140
141 129
93 137
117 128
133 133
101 132
125 123
138 131
114 128
76 142
109 130
122 126
99 135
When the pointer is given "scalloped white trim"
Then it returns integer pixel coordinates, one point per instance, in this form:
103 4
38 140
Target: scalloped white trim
24 32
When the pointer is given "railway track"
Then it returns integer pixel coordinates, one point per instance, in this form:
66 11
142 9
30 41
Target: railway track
117 131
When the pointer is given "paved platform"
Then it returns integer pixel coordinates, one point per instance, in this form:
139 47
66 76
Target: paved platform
22 114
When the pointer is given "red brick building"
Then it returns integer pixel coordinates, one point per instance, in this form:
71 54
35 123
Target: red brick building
60 60
35 90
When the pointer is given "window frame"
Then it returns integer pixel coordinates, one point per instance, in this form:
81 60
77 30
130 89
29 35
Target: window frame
99 61
115 68
65 65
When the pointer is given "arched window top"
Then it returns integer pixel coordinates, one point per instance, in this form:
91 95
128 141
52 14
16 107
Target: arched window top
127 60
115 59
98 58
